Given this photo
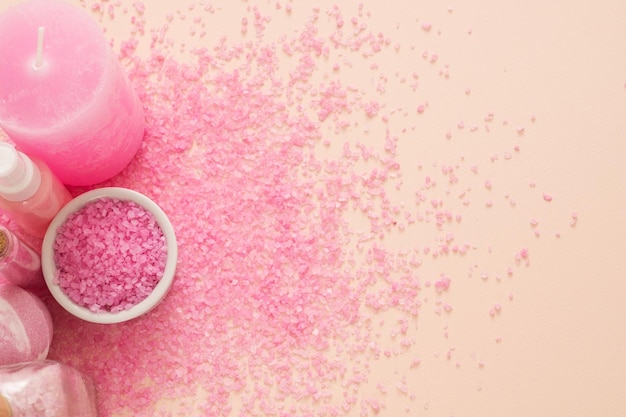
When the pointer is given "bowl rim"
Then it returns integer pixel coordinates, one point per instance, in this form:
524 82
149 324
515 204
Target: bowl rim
159 291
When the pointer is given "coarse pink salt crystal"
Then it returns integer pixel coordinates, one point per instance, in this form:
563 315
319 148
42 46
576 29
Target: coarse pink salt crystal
372 108
139 7
442 284
110 255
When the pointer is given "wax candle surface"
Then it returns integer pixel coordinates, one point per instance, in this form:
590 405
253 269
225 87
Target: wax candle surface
78 111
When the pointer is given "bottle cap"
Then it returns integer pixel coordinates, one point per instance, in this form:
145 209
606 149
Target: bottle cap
5 407
5 243
19 176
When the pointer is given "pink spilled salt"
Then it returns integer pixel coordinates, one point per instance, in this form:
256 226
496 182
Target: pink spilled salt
110 255
275 286
442 284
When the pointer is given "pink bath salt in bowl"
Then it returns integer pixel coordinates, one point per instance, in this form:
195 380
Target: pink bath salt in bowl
109 255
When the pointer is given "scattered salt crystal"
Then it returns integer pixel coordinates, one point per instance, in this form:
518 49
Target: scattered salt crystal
442 284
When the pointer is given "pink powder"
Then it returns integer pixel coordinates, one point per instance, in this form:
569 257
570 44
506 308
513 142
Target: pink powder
110 255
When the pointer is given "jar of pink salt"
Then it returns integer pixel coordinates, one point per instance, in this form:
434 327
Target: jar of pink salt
25 326
45 389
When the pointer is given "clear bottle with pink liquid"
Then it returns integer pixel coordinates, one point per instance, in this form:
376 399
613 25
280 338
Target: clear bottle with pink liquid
29 191
45 389
20 264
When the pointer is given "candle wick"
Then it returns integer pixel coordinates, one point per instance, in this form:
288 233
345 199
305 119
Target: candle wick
39 55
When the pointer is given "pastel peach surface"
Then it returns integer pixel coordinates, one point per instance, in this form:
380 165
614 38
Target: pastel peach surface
343 253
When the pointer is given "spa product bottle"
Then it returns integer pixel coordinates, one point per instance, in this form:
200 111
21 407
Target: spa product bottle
45 389
19 263
29 192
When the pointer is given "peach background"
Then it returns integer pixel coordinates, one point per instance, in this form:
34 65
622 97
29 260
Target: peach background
563 347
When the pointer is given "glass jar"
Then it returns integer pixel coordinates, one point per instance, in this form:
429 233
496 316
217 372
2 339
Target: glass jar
45 389
19 263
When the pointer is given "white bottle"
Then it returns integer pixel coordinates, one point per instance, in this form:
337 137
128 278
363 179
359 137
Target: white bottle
29 191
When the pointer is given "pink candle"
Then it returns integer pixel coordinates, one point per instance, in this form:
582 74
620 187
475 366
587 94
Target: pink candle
64 97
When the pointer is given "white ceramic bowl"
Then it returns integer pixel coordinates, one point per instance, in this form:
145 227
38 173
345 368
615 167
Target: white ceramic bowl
49 266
